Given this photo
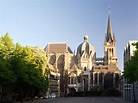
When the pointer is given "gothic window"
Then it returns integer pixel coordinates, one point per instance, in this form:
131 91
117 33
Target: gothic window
74 80
96 78
60 63
108 80
112 52
68 80
84 68
71 80
84 80
117 77
100 77
52 59
79 79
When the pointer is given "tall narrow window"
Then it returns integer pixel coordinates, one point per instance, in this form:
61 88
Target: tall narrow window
112 52
71 80
84 80
84 68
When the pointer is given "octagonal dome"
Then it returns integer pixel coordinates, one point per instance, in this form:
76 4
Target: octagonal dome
85 47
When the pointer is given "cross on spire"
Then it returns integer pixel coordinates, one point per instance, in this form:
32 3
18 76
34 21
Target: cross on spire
108 9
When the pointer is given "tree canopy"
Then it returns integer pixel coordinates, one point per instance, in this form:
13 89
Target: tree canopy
24 68
6 48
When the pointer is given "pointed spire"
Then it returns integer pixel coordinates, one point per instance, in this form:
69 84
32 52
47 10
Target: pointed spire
109 28
114 38
74 51
105 38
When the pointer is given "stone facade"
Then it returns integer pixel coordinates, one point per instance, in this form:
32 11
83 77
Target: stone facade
54 80
83 71
60 56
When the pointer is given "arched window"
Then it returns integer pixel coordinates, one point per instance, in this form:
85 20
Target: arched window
60 63
52 59
84 80
68 80
112 52
84 68
74 80
71 80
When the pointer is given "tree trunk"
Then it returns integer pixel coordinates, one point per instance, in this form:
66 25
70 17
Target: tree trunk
134 92
21 95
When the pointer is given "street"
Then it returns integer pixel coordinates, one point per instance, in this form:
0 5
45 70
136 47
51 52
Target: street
82 100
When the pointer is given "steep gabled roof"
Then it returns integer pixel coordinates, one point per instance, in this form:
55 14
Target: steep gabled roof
74 67
57 48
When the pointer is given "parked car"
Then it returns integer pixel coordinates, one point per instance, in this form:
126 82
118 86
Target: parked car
45 97
53 95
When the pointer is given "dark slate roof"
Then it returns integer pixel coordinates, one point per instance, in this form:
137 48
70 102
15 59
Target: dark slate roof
109 35
57 48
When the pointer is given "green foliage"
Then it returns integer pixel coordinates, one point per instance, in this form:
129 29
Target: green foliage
39 59
22 68
28 65
6 46
131 68
7 76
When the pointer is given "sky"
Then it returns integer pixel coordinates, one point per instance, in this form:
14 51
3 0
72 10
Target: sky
39 22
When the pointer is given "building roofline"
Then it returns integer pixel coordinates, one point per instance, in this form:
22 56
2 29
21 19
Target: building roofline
57 43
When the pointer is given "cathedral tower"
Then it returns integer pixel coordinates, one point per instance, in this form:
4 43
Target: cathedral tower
110 45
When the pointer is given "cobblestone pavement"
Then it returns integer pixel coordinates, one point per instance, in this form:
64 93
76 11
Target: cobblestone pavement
82 100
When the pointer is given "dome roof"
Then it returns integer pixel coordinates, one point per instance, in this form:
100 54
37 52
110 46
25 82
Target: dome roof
85 46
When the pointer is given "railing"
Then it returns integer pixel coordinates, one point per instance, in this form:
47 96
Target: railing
56 79
53 85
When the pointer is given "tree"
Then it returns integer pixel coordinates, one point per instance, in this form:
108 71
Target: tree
6 49
7 76
41 64
22 68
29 65
6 46
131 68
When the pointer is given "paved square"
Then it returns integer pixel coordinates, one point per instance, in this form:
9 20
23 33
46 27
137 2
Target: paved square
83 100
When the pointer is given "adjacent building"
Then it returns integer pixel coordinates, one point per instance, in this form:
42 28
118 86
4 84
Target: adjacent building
83 71
61 57
128 88
54 80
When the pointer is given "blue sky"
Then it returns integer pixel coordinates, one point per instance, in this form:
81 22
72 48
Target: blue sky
38 22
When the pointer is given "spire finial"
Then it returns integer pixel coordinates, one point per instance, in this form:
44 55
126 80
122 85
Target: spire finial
108 9
85 38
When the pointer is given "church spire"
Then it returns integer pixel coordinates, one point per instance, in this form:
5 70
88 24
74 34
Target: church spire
109 28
